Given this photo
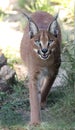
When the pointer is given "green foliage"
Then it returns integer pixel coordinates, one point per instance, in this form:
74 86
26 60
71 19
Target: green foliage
2 15
63 3
35 5
12 56
69 63
44 5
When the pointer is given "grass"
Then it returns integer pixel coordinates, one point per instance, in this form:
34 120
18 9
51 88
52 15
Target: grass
59 113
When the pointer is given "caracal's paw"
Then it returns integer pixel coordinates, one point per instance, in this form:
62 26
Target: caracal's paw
43 105
34 123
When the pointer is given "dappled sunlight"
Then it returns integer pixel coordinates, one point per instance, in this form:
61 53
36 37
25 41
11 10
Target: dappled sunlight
4 4
10 38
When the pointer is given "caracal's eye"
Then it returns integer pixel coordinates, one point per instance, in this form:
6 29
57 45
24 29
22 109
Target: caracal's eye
37 42
50 42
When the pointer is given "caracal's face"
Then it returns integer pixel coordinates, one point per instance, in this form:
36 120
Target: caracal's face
44 40
44 44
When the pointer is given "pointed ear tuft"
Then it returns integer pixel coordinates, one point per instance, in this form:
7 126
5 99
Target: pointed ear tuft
53 27
56 16
33 29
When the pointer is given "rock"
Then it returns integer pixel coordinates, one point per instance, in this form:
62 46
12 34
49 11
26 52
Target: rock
7 73
21 71
4 86
60 79
3 60
7 78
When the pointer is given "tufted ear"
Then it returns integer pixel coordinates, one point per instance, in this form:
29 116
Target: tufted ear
33 29
53 27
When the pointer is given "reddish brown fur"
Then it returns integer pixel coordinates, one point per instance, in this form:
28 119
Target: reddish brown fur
35 64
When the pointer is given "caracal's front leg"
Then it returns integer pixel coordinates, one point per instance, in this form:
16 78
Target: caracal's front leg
34 103
46 88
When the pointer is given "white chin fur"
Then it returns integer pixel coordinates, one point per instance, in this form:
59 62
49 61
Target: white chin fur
35 50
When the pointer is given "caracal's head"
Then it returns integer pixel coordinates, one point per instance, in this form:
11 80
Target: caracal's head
44 40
